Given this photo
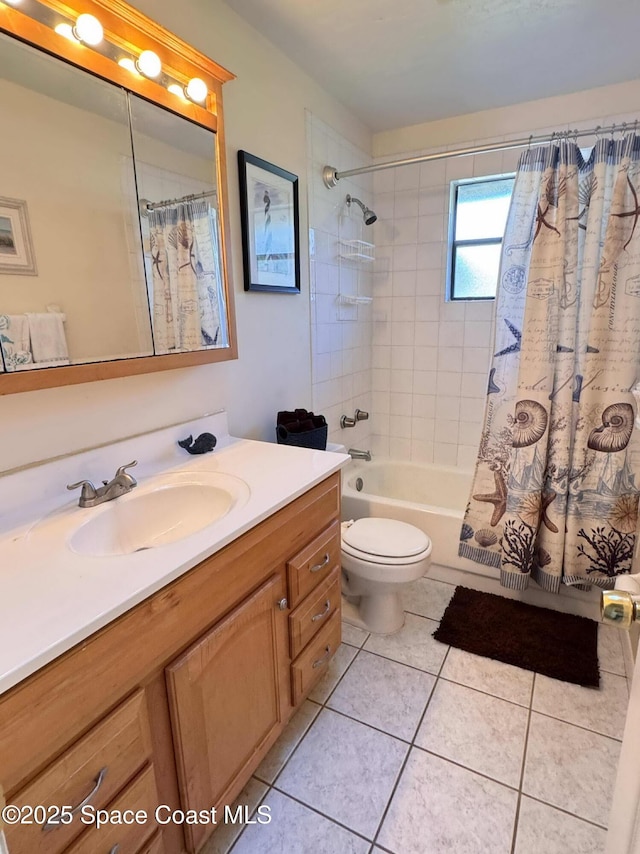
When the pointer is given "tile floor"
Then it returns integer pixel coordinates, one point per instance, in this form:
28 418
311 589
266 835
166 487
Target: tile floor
413 747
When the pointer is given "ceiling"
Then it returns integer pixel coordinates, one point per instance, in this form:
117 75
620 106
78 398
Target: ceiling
400 62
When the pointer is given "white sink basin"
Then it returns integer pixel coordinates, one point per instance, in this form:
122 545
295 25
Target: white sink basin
163 511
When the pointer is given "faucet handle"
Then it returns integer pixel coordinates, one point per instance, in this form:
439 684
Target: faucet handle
122 469
88 489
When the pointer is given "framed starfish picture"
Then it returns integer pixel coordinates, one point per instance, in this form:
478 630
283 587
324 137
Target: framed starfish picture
270 227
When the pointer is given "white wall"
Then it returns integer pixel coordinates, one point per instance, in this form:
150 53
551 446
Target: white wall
431 358
265 115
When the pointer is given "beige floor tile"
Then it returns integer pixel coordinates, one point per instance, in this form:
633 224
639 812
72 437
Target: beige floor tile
412 645
353 635
226 834
570 768
384 694
610 654
542 828
275 759
602 709
428 597
481 732
502 680
339 663
345 770
439 808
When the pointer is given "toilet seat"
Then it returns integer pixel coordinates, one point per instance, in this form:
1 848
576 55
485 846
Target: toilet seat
385 541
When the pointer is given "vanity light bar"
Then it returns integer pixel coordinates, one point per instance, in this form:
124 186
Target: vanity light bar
87 30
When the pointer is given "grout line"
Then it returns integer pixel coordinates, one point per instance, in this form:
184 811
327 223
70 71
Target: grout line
324 815
404 664
486 693
577 726
411 747
253 812
516 817
565 812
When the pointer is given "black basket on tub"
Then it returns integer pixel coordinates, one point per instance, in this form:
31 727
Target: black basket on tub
302 429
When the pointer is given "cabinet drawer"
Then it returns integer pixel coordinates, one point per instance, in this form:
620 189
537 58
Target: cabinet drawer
314 563
312 663
314 612
101 762
140 794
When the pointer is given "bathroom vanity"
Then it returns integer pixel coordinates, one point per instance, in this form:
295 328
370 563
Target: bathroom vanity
169 672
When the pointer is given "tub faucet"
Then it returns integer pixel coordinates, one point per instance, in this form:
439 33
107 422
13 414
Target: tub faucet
359 455
121 483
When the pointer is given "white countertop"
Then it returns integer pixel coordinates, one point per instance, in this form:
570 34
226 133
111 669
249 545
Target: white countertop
52 598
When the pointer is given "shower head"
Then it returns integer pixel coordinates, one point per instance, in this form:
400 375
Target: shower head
368 215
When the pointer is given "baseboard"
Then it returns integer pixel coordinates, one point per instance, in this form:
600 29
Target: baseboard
569 601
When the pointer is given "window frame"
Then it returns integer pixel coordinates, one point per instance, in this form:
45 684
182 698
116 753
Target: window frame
452 243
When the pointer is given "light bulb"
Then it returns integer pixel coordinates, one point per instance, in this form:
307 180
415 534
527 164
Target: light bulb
88 29
149 64
197 90
66 31
176 90
129 64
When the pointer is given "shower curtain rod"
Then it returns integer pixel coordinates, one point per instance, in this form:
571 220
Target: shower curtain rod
146 205
331 176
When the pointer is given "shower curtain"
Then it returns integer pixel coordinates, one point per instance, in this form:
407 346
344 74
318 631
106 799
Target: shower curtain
188 297
554 495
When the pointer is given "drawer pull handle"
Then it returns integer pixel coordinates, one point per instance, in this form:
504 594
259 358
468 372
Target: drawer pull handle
115 848
318 566
50 825
322 660
327 606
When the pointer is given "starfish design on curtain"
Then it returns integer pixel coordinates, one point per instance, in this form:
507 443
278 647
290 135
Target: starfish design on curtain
553 192
156 261
547 500
635 213
498 498
515 347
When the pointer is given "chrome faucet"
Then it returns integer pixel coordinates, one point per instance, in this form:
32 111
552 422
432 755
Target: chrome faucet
121 484
359 455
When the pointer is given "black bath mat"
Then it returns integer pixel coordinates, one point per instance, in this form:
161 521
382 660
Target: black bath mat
562 646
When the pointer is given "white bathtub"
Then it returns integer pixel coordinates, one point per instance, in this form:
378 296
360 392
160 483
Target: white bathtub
433 498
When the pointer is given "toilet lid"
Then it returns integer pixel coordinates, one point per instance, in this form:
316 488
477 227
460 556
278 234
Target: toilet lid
385 538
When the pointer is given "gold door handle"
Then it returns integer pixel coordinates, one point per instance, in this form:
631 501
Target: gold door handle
619 608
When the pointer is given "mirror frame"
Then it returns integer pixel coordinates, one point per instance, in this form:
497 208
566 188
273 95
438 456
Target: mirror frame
131 31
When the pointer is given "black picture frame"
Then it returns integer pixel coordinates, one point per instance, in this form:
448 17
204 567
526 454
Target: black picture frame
269 215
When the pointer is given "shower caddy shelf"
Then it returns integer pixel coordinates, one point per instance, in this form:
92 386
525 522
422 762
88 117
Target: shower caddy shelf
347 299
356 250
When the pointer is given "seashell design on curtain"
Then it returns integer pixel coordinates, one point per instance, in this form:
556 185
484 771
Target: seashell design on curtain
188 311
557 480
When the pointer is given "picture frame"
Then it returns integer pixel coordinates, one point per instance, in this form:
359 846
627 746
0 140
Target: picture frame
17 257
270 226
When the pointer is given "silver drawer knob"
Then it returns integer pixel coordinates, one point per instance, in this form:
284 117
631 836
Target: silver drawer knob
283 604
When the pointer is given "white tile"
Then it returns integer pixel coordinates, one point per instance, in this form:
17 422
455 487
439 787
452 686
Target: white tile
429 256
473 385
295 829
439 808
570 768
427 597
226 834
433 174
346 770
275 759
405 230
610 650
469 433
353 636
405 203
425 357
427 309
412 645
402 358
424 382
384 694
407 177
485 674
481 732
423 405
447 407
477 334
337 666
423 429
400 426
450 359
445 454
426 335
476 360
450 333
403 283
400 403
446 431
402 333
600 709
449 382
542 828
404 258
430 283
421 451
399 449
467 456
431 228
401 381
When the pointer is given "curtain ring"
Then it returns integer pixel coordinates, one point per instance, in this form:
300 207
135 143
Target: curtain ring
598 131
613 130
531 137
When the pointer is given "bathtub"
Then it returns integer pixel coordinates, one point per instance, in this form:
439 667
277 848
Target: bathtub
433 498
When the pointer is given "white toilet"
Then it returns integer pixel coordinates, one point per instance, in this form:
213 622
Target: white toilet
379 558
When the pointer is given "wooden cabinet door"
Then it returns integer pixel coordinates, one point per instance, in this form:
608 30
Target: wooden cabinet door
229 696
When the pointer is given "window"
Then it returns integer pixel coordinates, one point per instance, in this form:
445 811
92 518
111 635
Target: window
476 226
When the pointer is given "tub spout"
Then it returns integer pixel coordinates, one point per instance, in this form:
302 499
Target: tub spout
356 454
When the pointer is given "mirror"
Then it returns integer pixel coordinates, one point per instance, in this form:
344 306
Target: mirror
180 224
112 208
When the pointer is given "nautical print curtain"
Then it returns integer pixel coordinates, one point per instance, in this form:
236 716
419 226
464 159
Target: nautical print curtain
554 495
188 298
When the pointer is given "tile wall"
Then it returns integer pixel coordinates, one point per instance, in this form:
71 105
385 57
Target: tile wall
341 335
430 357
